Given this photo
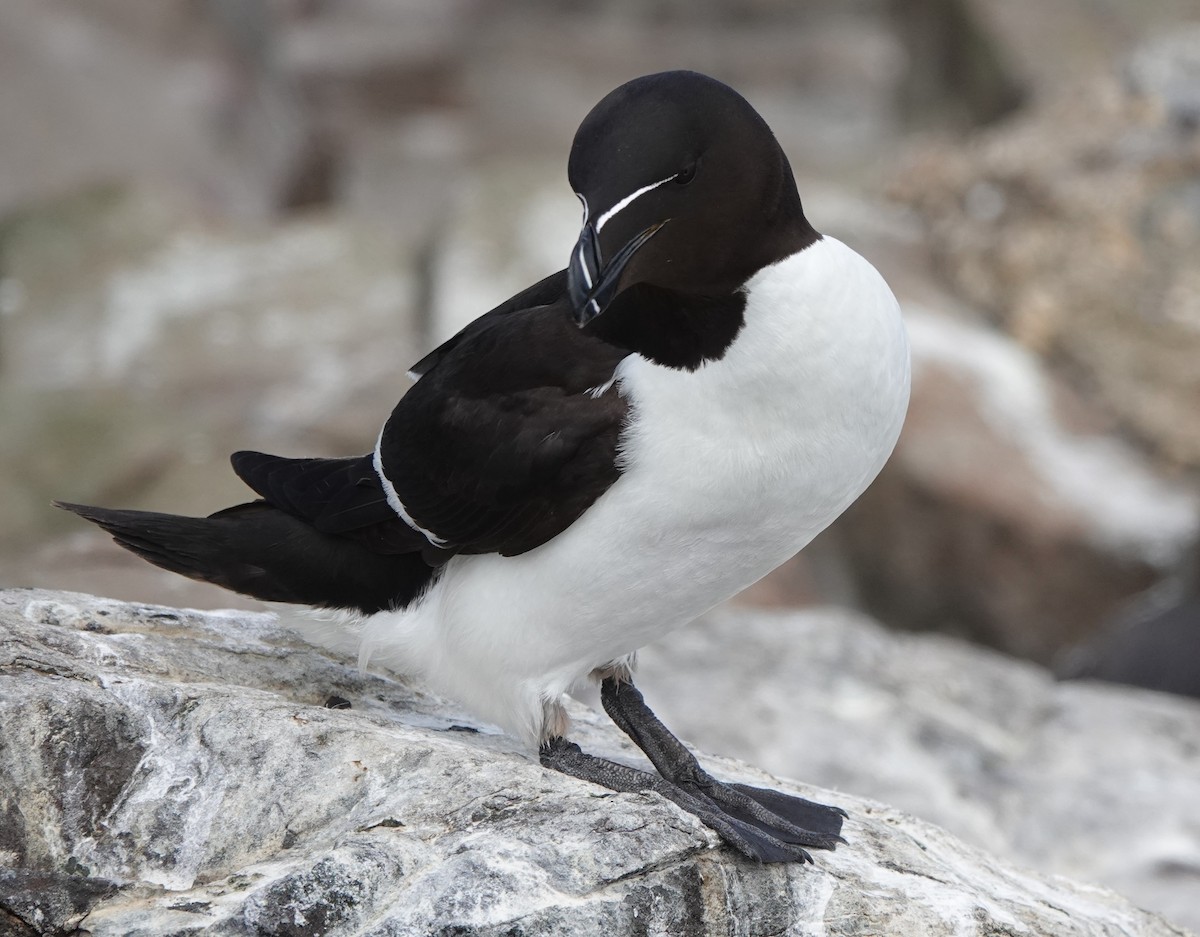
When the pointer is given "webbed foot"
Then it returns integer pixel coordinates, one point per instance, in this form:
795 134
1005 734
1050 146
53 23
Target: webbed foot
763 824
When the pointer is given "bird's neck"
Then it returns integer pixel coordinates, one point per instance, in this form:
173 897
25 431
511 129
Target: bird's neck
670 328
681 329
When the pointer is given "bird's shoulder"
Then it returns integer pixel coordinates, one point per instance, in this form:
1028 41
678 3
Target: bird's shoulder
510 434
545 292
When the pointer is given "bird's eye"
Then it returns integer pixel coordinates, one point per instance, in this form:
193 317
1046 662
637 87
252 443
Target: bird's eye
685 175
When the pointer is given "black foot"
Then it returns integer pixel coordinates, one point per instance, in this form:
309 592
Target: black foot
765 825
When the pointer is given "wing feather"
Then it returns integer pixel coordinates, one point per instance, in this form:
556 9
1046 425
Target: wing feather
499 447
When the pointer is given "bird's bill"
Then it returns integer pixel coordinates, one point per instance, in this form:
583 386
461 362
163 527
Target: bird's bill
592 284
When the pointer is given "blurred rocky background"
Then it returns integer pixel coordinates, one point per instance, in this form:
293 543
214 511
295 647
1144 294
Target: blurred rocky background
234 224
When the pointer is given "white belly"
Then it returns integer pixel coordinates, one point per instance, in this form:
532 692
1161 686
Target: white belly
729 471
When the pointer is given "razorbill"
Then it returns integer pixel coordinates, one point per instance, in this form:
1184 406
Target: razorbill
599 459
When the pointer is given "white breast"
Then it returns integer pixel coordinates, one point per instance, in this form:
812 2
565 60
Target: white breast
729 471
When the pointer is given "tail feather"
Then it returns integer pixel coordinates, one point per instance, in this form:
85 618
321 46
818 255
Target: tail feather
261 551
335 495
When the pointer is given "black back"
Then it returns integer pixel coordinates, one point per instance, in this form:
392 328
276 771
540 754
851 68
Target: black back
504 443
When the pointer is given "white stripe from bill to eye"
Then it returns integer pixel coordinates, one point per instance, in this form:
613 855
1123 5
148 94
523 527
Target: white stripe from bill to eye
393 499
603 219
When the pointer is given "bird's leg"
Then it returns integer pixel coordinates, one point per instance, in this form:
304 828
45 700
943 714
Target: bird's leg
569 758
782 817
561 755
761 824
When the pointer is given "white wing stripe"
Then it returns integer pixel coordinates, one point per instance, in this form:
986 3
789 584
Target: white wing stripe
393 499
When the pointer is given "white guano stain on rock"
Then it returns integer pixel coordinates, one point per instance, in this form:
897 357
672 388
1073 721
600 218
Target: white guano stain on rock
192 274
1123 504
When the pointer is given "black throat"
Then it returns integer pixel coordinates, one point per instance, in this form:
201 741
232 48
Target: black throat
673 329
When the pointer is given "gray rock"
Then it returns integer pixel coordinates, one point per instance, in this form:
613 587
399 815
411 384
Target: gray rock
1154 642
176 341
1167 69
171 772
1106 288
1090 781
999 517
172 94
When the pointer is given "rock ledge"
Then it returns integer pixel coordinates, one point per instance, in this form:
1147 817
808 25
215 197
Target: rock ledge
173 772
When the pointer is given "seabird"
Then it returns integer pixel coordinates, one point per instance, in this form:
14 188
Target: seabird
599 459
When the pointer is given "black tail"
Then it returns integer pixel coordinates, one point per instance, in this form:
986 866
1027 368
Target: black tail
260 551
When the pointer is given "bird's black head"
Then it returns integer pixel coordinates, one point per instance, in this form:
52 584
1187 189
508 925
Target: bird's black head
684 188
